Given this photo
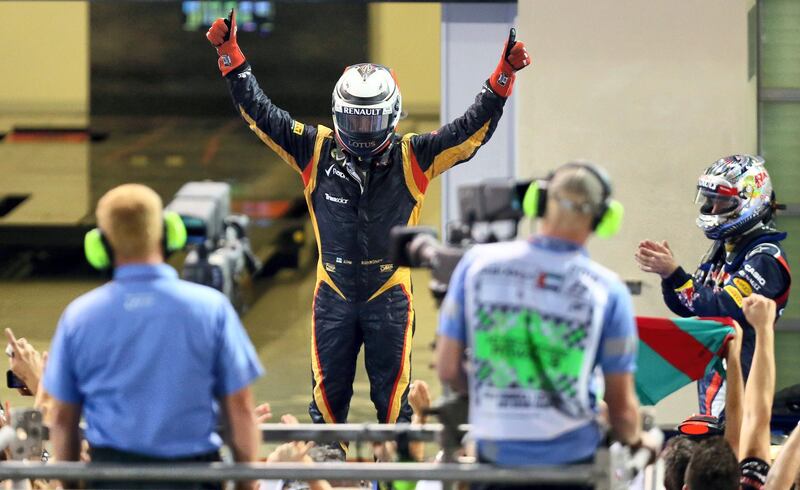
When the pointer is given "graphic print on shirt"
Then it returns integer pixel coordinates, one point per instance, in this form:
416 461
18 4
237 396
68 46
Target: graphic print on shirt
520 349
526 358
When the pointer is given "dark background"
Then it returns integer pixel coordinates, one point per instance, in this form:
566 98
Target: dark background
171 71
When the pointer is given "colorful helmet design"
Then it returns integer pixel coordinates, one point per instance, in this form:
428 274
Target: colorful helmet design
735 194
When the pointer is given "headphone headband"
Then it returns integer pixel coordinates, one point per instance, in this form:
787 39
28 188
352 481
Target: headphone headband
598 173
100 254
606 220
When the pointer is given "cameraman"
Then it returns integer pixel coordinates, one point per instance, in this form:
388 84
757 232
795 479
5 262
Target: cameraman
149 359
536 317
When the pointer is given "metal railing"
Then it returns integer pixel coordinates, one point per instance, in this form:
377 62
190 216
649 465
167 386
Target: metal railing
611 470
187 472
353 432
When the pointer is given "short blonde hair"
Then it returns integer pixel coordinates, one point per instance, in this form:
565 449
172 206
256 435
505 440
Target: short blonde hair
130 217
575 197
578 187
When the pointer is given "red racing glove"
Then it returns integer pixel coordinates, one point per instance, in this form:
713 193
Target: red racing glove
222 35
515 58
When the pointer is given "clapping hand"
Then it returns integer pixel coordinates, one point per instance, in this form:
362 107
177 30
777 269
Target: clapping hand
656 257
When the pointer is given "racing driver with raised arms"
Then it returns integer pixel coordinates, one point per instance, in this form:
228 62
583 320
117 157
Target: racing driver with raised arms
361 179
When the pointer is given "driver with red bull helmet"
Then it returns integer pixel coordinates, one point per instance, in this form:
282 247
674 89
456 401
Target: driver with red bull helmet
737 205
360 179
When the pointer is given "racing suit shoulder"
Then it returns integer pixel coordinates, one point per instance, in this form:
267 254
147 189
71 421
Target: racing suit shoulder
457 141
292 140
319 150
772 249
764 272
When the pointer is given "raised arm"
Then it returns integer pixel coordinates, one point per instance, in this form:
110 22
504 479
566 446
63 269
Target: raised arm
457 141
786 469
760 388
293 141
734 393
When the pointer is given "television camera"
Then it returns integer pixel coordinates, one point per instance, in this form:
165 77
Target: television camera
490 212
219 253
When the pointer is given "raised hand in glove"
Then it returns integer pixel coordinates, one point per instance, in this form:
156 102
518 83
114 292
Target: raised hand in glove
515 57
222 35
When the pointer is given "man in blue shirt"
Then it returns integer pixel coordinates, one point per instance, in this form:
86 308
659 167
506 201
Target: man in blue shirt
149 360
535 319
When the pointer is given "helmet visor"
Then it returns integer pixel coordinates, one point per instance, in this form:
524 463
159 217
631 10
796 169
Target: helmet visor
357 120
714 204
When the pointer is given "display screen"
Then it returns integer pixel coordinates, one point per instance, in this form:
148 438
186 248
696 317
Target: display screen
251 16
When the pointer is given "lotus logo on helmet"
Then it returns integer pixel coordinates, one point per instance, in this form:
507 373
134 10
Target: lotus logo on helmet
362 111
363 144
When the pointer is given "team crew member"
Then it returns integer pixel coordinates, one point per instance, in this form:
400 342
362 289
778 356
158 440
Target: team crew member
535 318
737 205
360 179
149 360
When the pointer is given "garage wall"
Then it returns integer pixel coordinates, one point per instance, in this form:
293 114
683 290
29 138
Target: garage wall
654 91
45 63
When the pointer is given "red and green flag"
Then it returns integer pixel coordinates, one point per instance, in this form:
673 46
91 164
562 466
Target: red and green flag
674 352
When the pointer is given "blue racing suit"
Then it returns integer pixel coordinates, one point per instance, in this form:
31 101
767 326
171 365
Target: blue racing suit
755 264
360 296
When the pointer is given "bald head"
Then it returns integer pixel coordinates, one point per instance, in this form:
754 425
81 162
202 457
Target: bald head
130 217
575 196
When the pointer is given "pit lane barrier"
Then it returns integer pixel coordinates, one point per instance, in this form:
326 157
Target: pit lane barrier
613 467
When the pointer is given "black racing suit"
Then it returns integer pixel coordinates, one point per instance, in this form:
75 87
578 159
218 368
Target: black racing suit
756 264
360 296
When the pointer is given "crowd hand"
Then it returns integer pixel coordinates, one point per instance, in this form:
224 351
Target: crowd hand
26 362
759 312
419 397
514 58
289 419
222 35
656 257
5 419
263 413
385 452
652 441
291 452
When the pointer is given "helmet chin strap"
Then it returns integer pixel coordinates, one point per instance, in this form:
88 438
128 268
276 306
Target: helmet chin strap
358 168
342 156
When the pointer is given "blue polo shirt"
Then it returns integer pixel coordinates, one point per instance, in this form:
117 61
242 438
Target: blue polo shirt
616 352
147 355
